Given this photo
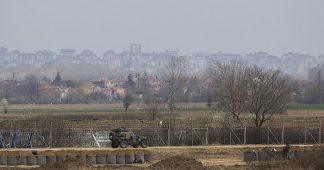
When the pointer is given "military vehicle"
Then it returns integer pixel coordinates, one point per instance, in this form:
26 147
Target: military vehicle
123 137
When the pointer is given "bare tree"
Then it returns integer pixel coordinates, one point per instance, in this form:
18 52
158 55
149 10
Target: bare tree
245 89
29 89
172 72
230 88
127 101
269 93
152 105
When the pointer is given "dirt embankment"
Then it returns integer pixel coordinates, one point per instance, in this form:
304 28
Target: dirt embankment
198 157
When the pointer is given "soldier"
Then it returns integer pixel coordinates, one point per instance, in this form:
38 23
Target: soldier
2 145
286 150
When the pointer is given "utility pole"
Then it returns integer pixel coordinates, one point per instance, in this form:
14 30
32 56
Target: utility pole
138 92
319 85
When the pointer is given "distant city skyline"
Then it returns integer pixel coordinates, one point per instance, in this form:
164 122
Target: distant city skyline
127 49
229 26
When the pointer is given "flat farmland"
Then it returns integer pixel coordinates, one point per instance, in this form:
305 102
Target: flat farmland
137 110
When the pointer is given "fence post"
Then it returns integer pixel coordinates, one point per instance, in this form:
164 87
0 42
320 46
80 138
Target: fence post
268 134
11 126
35 133
51 134
169 132
207 136
91 130
244 134
320 132
230 136
282 134
191 132
305 135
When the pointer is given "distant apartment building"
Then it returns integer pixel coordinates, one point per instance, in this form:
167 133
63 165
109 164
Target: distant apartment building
3 55
297 63
109 59
26 58
88 57
66 56
135 60
263 59
196 64
44 57
172 53
135 48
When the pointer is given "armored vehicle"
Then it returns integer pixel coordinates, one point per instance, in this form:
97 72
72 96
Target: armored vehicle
123 137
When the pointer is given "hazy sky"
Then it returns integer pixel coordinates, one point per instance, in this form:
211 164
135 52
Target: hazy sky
237 26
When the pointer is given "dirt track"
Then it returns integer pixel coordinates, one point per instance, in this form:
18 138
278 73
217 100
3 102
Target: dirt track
216 157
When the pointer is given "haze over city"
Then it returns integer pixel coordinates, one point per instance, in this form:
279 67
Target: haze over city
162 84
276 26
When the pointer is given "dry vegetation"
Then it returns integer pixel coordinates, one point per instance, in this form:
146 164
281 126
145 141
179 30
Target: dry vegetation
186 110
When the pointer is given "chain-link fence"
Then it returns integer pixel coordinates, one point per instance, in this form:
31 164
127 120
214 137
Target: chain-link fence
67 133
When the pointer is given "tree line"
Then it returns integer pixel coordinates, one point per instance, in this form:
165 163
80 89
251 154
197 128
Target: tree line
234 87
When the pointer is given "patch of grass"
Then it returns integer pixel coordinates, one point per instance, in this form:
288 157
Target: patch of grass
307 107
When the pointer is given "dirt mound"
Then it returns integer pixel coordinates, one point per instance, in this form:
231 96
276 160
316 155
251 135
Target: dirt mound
67 165
178 163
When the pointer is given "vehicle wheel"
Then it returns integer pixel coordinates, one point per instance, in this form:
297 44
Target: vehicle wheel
144 144
135 145
123 144
114 144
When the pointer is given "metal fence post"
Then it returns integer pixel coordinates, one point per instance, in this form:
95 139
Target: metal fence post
305 135
282 134
207 136
35 133
191 132
244 134
268 135
51 134
320 132
230 136
169 132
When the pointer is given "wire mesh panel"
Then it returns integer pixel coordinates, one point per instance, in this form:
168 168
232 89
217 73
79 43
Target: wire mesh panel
71 133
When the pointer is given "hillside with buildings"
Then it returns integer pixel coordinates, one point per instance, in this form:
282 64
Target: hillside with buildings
136 60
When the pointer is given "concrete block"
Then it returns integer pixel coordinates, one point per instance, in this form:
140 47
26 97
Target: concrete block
120 159
91 159
139 158
22 160
41 159
3 160
81 158
111 159
50 159
101 159
12 161
31 160
129 158
60 158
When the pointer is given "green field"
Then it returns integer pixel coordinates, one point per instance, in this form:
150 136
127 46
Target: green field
184 110
307 107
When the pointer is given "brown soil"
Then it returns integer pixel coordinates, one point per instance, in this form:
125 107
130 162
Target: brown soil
72 151
223 157
178 163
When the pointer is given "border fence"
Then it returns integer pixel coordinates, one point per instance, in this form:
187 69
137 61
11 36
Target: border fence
169 132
